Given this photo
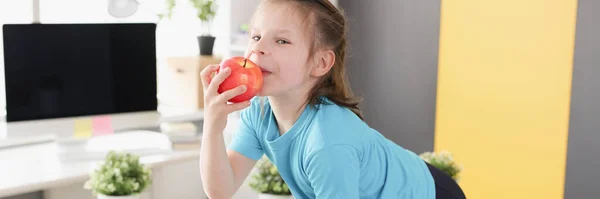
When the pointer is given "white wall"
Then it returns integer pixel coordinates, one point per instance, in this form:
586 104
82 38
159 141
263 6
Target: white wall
11 12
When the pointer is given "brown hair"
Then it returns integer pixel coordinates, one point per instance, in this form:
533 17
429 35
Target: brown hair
331 33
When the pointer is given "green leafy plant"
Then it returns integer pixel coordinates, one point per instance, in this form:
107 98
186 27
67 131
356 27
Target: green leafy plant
267 179
205 9
120 175
168 13
444 161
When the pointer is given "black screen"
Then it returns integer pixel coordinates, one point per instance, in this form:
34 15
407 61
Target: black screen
66 70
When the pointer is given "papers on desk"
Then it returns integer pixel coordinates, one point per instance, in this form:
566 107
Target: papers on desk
183 135
96 148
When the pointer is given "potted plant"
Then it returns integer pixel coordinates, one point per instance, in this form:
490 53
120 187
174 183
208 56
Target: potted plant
267 181
444 161
121 176
205 12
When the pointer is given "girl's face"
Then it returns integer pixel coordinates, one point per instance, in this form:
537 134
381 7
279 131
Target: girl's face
280 45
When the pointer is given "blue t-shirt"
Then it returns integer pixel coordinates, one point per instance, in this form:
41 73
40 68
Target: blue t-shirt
331 153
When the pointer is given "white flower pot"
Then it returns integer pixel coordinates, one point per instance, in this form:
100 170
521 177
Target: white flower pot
100 196
269 196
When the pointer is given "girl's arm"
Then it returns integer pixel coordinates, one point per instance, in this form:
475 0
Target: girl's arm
221 172
242 166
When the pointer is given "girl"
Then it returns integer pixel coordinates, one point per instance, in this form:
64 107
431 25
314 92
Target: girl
309 125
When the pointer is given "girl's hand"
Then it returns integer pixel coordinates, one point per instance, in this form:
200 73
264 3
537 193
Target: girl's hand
216 107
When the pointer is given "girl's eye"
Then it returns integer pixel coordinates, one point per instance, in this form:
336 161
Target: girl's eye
256 38
281 41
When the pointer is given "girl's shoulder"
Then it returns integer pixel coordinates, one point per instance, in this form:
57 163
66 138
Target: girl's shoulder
332 111
337 124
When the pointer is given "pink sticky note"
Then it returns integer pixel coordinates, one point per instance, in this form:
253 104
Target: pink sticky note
102 125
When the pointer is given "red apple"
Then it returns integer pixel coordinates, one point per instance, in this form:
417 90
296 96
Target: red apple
243 72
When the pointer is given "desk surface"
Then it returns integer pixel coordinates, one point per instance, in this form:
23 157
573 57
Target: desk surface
38 167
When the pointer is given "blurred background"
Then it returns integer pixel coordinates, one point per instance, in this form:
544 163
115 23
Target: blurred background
505 87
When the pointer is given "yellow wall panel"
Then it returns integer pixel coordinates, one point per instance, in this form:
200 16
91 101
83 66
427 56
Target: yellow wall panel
504 94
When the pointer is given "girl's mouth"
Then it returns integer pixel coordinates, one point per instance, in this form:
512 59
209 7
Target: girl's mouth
265 71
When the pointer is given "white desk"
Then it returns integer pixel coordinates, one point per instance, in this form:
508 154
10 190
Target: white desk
38 167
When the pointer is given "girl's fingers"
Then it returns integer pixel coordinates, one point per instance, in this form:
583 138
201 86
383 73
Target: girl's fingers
205 75
227 95
218 79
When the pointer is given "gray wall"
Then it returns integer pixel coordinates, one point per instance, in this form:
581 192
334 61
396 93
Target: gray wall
582 175
393 66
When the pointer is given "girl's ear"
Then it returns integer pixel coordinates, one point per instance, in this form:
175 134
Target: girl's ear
324 63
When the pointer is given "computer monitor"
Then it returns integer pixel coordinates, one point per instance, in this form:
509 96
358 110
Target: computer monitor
56 74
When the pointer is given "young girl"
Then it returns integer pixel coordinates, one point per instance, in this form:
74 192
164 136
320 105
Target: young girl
309 125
